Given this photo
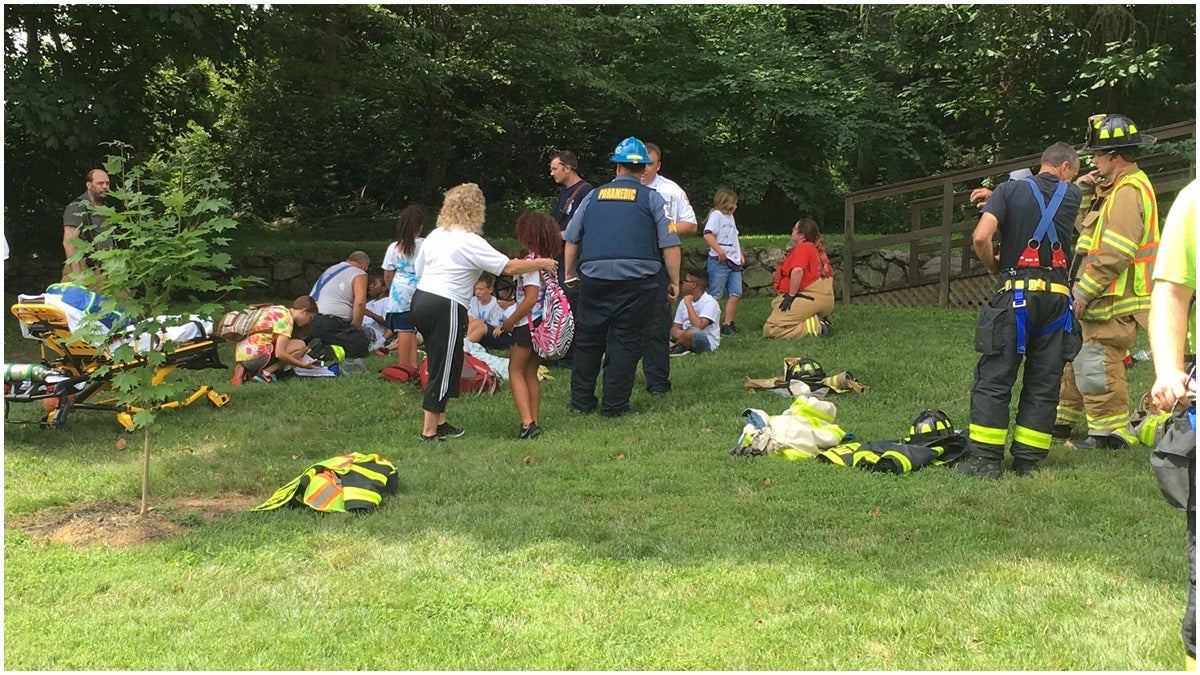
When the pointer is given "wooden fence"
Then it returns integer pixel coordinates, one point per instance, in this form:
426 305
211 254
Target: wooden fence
941 222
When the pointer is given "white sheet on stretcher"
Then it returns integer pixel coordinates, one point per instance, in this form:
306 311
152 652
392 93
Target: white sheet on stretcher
181 329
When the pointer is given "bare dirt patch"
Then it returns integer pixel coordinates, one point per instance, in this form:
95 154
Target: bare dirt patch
117 524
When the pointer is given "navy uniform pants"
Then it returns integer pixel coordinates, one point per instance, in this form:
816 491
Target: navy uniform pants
996 373
656 357
611 326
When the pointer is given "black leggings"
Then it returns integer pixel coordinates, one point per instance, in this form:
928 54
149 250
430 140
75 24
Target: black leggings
443 323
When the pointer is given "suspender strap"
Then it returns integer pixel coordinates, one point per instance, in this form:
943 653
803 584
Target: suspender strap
1045 228
328 277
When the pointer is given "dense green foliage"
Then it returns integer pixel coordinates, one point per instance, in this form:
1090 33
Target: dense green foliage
322 110
630 544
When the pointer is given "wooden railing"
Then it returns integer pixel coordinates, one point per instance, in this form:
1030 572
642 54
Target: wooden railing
943 201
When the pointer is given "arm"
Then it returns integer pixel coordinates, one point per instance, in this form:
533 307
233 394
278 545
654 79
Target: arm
359 287
522 310
711 239
373 315
671 258
794 280
388 275
698 322
570 258
515 266
282 353
71 233
981 241
1169 305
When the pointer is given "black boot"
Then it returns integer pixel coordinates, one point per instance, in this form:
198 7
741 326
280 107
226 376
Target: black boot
981 467
1024 467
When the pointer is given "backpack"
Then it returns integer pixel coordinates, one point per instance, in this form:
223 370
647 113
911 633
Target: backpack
400 372
477 376
238 324
552 337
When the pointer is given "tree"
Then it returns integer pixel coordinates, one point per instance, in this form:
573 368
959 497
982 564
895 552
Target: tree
169 229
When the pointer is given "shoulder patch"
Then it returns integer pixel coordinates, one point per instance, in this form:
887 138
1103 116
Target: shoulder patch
617 194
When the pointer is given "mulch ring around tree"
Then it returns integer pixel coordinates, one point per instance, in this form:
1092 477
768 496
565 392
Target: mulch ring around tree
117 524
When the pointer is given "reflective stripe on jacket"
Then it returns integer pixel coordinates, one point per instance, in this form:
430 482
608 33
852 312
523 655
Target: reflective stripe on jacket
1125 248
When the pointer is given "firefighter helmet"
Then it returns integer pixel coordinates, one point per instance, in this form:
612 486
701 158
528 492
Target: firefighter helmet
930 425
631 151
1110 132
803 369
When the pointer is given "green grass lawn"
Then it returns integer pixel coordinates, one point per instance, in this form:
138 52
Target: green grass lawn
628 544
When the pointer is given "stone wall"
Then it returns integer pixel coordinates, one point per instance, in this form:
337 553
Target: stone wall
287 278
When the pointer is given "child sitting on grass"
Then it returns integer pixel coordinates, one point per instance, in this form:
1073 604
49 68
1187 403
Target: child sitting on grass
697 318
539 235
485 315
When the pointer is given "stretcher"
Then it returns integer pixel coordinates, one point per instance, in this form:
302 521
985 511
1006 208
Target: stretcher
69 378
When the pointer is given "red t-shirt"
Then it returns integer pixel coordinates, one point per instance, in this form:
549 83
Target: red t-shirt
804 256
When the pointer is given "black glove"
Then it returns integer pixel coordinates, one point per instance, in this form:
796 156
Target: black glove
786 303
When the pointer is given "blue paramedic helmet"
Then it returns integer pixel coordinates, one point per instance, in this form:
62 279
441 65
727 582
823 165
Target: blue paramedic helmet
631 151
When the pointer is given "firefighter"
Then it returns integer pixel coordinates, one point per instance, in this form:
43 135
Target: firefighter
1118 241
1029 319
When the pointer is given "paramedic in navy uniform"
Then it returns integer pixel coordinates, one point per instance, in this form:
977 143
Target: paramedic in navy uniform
622 250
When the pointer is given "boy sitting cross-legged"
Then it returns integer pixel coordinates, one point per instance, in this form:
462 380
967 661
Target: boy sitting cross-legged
698 317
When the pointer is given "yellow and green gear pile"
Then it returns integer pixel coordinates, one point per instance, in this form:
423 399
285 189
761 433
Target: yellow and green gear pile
354 482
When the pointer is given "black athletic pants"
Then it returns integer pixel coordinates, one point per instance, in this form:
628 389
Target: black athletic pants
612 325
442 323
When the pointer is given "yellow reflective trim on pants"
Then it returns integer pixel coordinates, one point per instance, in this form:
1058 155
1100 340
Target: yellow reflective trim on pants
1034 439
1071 416
1109 423
988 435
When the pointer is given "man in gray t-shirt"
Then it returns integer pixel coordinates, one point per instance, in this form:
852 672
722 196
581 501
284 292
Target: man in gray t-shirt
80 223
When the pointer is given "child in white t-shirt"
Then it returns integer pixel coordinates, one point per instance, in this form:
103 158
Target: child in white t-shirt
697 319
725 261
375 317
485 314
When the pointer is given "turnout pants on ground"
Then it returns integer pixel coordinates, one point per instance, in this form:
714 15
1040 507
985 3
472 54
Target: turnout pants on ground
996 373
443 323
614 322
1095 383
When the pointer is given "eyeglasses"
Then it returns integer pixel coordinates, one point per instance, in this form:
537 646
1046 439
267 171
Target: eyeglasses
690 281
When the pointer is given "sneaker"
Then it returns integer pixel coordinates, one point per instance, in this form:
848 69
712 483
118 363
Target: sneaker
264 377
531 431
733 327
727 329
239 375
1024 467
981 467
826 328
679 350
446 430
431 439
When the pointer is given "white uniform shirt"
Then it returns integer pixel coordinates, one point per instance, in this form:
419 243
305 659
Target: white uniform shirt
678 208
708 308
450 261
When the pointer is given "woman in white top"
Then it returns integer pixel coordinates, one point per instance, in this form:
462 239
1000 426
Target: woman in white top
538 233
448 265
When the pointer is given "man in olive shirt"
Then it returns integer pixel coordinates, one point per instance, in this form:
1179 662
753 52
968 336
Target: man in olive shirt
79 223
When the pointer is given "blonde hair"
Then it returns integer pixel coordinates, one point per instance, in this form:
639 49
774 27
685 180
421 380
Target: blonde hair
462 209
725 200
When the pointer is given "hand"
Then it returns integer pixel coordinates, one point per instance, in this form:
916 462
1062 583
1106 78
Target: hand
687 300
672 291
1170 388
1080 308
497 331
721 257
979 196
1088 179
549 265
785 304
